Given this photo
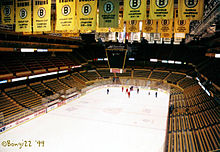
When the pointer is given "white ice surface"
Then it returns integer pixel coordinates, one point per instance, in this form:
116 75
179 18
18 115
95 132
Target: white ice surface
96 122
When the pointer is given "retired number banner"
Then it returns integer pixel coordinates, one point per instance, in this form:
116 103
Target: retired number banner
180 26
23 16
120 27
7 11
86 14
190 9
65 15
149 26
161 9
165 28
132 26
41 15
108 13
134 10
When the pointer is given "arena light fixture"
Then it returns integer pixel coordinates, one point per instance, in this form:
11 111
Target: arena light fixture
42 50
63 71
18 79
131 59
42 75
3 81
153 60
170 61
164 61
27 50
217 55
178 62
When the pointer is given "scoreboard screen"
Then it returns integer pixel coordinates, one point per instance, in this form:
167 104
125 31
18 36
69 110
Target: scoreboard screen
116 58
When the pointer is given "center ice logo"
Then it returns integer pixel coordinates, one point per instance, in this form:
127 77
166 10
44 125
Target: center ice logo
108 7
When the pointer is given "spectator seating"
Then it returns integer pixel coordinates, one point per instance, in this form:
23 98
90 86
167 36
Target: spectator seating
24 96
174 77
194 121
160 75
39 88
55 85
141 73
9 108
105 73
90 75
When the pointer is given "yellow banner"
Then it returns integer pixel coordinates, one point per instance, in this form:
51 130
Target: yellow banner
7 11
149 26
165 27
101 29
41 15
180 26
120 26
65 15
134 10
132 26
23 16
86 14
190 9
161 9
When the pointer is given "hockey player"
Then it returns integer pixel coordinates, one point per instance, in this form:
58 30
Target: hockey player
122 89
129 94
137 90
107 91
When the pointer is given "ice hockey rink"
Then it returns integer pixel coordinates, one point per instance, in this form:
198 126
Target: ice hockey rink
96 122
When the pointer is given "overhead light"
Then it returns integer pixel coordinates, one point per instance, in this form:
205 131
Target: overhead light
171 61
131 59
27 50
153 60
105 59
217 55
42 50
164 61
63 71
99 59
3 81
178 62
18 79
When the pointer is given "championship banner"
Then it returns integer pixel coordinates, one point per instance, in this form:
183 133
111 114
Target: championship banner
65 15
120 26
180 26
7 11
41 15
23 16
161 9
101 29
132 26
190 9
86 14
134 10
149 26
165 28
108 13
